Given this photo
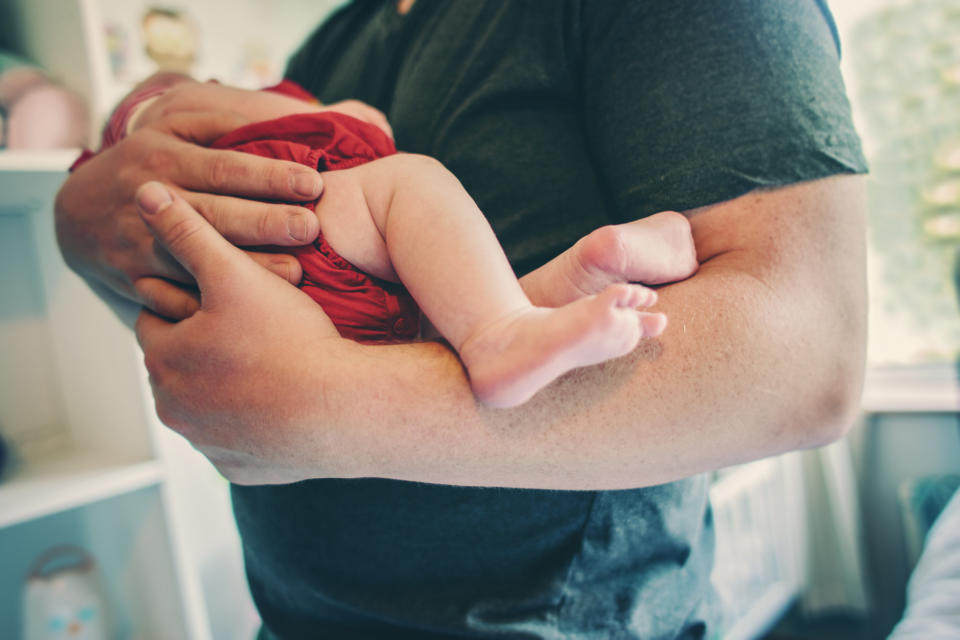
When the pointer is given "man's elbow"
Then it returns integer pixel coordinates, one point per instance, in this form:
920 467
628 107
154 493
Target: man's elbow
839 409
836 400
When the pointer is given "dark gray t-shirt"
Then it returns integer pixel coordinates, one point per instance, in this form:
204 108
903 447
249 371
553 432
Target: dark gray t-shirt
558 116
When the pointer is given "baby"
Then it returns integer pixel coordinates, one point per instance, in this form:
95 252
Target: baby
388 218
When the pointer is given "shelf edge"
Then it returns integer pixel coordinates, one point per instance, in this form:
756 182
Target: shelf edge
36 161
79 488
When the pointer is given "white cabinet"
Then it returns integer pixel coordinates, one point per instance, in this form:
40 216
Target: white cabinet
88 463
91 464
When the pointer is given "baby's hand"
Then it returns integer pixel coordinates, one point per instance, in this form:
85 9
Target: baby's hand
654 250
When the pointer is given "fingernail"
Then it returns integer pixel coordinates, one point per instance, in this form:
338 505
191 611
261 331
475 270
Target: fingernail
305 184
153 197
297 228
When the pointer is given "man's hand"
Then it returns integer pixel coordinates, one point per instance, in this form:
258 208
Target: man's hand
103 239
188 96
248 340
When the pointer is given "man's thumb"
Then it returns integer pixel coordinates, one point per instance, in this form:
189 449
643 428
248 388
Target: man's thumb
189 238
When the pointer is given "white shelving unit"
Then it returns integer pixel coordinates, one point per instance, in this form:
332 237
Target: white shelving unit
68 481
88 466
91 464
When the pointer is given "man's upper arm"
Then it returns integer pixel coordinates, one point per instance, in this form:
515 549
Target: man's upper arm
764 354
804 246
764 350
693 103
736 113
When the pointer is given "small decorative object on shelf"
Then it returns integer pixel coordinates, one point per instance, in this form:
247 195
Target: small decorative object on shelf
63 597
37 112
117 41
170 38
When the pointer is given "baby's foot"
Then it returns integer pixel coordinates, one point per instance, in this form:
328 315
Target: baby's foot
653 250
516 356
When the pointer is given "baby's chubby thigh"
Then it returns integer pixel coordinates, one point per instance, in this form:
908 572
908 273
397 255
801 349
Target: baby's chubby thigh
348 225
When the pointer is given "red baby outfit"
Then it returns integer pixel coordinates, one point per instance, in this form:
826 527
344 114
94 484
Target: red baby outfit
362 307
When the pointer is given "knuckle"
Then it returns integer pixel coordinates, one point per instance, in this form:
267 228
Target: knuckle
292 211
227 169
158 161
264 225
213 212
280 178
219 171
180 232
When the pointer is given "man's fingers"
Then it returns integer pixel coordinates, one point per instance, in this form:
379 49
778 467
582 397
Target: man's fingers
246 175
186 235
167 299
249 223
148 328
202 127
281 264
185 161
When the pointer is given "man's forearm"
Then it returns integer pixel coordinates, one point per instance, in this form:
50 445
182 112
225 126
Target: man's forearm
764 354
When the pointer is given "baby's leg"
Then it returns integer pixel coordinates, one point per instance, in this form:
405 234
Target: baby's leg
518 354
441 247
654 250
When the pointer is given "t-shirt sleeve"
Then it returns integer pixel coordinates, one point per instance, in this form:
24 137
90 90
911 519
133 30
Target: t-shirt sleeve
693 102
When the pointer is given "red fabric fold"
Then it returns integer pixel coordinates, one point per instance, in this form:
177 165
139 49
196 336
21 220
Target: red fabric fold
362 307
